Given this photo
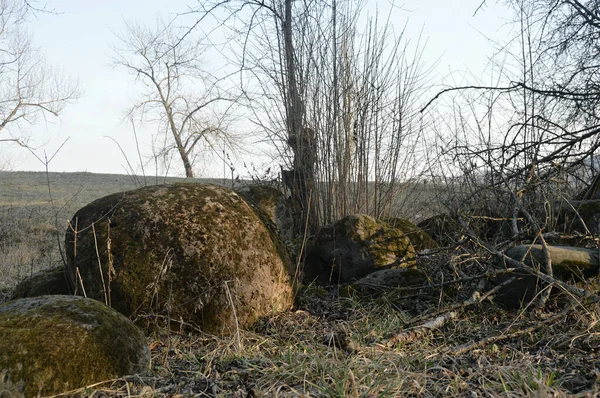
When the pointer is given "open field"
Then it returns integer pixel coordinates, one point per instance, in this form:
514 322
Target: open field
337 341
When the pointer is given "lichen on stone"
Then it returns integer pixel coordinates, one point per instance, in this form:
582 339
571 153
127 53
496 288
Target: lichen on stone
355 246
172 252
52 344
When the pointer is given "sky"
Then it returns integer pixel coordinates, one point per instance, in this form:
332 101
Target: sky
79 39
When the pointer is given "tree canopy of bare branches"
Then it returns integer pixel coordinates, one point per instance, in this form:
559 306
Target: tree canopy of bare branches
180 95
336 99
530 128
29 88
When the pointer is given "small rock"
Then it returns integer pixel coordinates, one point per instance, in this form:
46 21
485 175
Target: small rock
392 278
44 282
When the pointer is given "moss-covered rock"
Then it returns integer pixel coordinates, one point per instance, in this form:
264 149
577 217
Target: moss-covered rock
53 344
570 264
274 205
44 282
419 238
355 246
184 252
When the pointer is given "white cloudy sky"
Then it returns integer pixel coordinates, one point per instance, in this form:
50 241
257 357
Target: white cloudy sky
78 40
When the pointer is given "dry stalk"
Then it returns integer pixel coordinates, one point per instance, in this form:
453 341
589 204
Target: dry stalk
100 266
164 267
80 279
111 269
237 326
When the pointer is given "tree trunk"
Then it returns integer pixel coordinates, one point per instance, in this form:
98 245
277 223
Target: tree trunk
300 180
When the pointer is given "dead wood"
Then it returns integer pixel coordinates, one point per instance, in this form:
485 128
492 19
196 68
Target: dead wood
581 293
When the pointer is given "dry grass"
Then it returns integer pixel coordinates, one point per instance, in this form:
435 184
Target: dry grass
28 243
333 345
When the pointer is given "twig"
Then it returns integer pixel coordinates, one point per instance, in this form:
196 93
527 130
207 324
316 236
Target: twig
475 298
441 317
492 339
237 326
487 275
421 330
100 266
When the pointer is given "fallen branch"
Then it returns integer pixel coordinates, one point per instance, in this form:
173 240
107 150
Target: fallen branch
582 293
492 339
441 317
421 330
475 298
488 274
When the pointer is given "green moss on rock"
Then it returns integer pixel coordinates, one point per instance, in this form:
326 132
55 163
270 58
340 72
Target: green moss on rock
419 238
355 246
183 252
52 344
271 202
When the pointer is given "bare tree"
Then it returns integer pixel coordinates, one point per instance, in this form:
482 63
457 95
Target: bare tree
180 95
337 101
528 138
549 95
29 89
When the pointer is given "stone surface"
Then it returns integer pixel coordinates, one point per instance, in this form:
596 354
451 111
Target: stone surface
193 253
53 344
355 246
419 238
581 216
273 204
569 264
44 282
446 231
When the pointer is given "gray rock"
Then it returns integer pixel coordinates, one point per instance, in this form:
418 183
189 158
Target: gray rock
44 282
569 264
392 278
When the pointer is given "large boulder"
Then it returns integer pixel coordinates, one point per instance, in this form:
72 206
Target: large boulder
569 264
53 344
188 253
355 246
